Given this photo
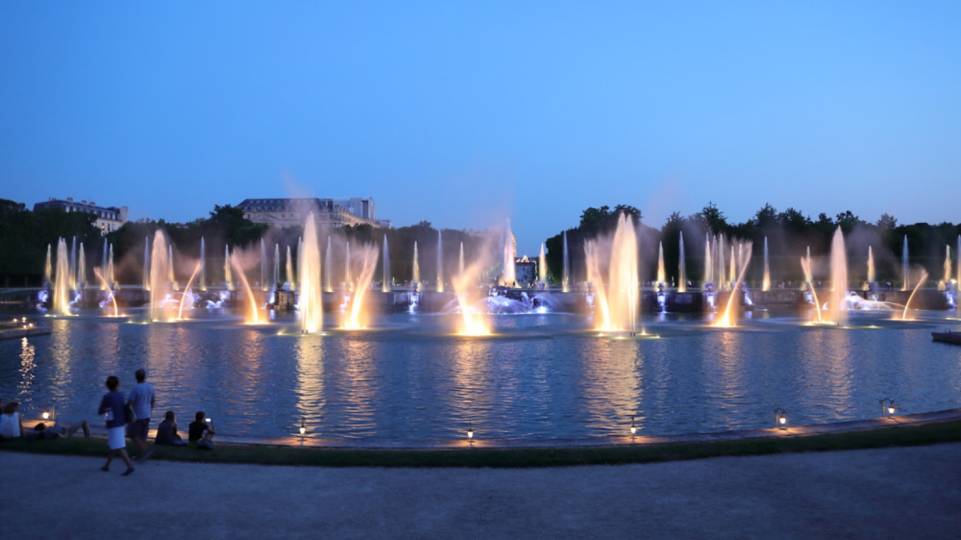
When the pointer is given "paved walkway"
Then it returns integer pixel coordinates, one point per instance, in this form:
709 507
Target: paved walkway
888 493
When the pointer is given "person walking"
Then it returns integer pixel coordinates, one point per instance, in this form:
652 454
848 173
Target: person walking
113 407
141 399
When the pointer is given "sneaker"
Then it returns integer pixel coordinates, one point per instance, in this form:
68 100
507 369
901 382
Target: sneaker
128 472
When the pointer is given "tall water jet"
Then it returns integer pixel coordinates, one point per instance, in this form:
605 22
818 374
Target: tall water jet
871 276
203 264
228 277
460 258
160 277
329 265
415 268
837 309
103 257
104 286
73 263
276 276
348 279
170 268
766 280
310 297
300 249
263 265
111 276
809 278
619 296
681 265
721 273
708 261
385 268
905 268
661 272
48 268
728 317
61 286
146 263
957 268
253 314
542 264
732 271
565 268
509 250
188 291
440 262
81 268
472 321
289 268
356 317
905 315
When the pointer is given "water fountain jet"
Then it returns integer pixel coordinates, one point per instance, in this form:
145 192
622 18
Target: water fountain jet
310 309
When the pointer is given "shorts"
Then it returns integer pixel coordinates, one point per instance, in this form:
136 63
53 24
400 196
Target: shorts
116 439
138 429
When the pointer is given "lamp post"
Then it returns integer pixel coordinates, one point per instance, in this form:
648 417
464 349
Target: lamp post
470 434
888 408
633 428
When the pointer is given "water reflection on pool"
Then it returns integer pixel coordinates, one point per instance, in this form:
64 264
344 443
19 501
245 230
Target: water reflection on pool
542 379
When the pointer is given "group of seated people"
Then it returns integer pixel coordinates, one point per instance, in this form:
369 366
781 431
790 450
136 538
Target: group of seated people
11 426
199 432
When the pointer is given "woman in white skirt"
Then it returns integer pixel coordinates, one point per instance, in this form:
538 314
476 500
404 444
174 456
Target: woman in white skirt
112 406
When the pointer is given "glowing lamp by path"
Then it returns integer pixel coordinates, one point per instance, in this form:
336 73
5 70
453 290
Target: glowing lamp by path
888 408
633 428
303 427
780 418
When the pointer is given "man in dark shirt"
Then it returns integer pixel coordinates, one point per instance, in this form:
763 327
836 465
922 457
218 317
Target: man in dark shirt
167 432
200 432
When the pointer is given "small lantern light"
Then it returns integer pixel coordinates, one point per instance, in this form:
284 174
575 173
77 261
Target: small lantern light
470 433
891 408
208 420
45 415
633 427
780 418
888 407
303 427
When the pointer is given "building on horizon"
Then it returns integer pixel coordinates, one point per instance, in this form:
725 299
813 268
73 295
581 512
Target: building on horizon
108 218
290 212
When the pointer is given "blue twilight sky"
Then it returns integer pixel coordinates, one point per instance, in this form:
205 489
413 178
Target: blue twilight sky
464 113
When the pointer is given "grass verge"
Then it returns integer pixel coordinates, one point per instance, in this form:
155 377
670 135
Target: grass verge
517 457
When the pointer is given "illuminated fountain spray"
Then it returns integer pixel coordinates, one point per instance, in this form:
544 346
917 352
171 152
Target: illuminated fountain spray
329 265
310 308
146 263
721 274
728 317
81 268
61 286
103 258
618 297
289 268
766 281
111 275
415 271
104 286
73 263
48 268
276 275
356 317
253 314
905 269
160 274
203 264
681 265
905 315
508 275
566 268
385 268
263 265
661 272
460 258
947 265
472 321
809 278
440 262
837 308
870 275
228 277
708 261
188 294
348 279
170 268
542 264
732 271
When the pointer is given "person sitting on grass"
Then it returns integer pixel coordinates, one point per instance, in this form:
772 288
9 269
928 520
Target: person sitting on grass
42 431
200 433
167 432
